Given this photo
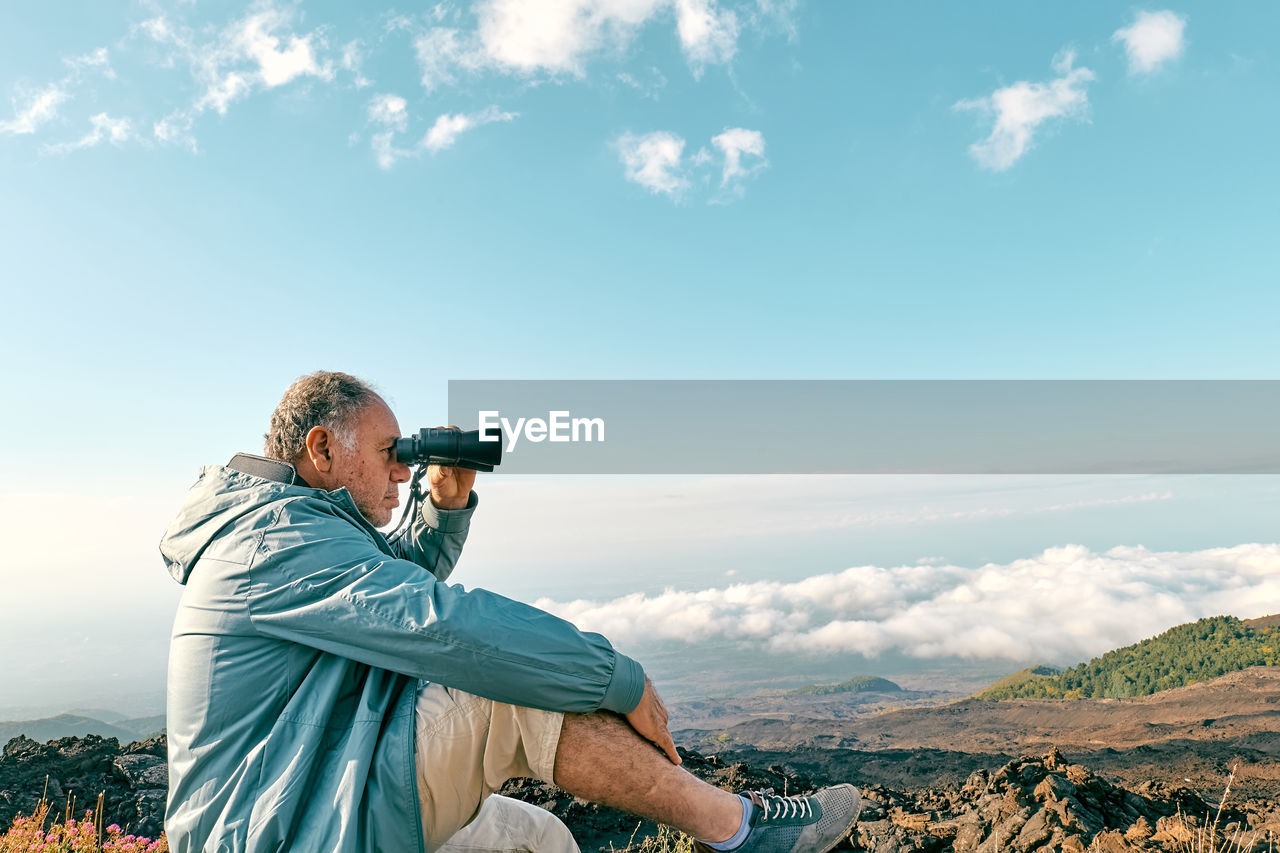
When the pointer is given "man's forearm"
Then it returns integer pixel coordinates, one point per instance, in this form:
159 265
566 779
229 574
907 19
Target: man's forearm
436 536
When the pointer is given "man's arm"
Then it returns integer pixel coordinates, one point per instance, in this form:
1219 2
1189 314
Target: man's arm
318 580
436 536
438 531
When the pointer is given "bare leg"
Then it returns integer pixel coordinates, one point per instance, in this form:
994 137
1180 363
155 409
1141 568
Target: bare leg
601 758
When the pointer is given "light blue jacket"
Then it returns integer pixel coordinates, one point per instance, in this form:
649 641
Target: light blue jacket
299 646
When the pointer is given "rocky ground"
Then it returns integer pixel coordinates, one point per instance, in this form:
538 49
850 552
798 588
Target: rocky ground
1194 733
71 772
1041 803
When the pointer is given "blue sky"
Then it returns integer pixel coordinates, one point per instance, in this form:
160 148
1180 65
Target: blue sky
203 201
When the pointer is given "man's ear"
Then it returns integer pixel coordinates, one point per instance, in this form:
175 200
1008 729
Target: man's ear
320 448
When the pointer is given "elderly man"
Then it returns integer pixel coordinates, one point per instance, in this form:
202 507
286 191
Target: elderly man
329 691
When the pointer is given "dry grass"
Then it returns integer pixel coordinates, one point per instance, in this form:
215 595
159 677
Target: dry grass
667 840
1211 837
1206 839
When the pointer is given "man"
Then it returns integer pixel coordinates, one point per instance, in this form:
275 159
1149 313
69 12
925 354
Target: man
329 691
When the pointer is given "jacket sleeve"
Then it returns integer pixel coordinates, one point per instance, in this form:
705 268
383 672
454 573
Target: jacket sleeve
436 536
319 580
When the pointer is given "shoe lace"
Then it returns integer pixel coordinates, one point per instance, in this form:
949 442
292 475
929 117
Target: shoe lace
775 807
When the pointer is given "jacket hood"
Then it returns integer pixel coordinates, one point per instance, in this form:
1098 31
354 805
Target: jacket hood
219 497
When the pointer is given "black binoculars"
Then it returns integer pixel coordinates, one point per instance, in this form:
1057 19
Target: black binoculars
476 449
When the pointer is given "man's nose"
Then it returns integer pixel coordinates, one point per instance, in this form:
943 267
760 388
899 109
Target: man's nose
400 473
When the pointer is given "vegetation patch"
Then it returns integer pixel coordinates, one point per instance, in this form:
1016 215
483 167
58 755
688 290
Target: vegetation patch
860 684
1187 654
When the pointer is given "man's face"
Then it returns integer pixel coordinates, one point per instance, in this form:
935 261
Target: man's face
370 470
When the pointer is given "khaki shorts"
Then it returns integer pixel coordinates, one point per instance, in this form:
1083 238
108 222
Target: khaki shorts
467 746
505 825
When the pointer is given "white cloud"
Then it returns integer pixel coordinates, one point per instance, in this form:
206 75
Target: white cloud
280 59
777 14
734 144
652 160
176 129
442 49
158 29
1021 108
384 150
448 128
1153 39
96 59
223 91
648 83
1063 605
656 161
395 23
117 131
559 36
708 35
352 60
33 109
257 52
389 110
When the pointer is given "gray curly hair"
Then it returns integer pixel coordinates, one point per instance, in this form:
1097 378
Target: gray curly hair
324 398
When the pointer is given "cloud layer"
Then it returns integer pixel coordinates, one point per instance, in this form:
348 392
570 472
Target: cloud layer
1063 605
269 44
520 45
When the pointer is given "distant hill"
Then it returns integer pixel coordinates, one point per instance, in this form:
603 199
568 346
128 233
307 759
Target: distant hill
97 714
1017 681
74 725
143 727
859 684
1186 654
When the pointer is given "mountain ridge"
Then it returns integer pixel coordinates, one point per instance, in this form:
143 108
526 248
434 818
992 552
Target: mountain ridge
1188 653
74 725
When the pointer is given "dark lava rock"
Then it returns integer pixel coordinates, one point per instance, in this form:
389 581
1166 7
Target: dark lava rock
71 773
1038 803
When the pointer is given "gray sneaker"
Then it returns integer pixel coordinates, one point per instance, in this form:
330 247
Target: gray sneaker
812 824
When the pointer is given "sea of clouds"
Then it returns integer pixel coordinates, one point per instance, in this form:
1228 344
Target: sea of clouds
1063 605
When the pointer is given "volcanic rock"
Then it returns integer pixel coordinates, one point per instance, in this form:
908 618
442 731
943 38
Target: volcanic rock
71 773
